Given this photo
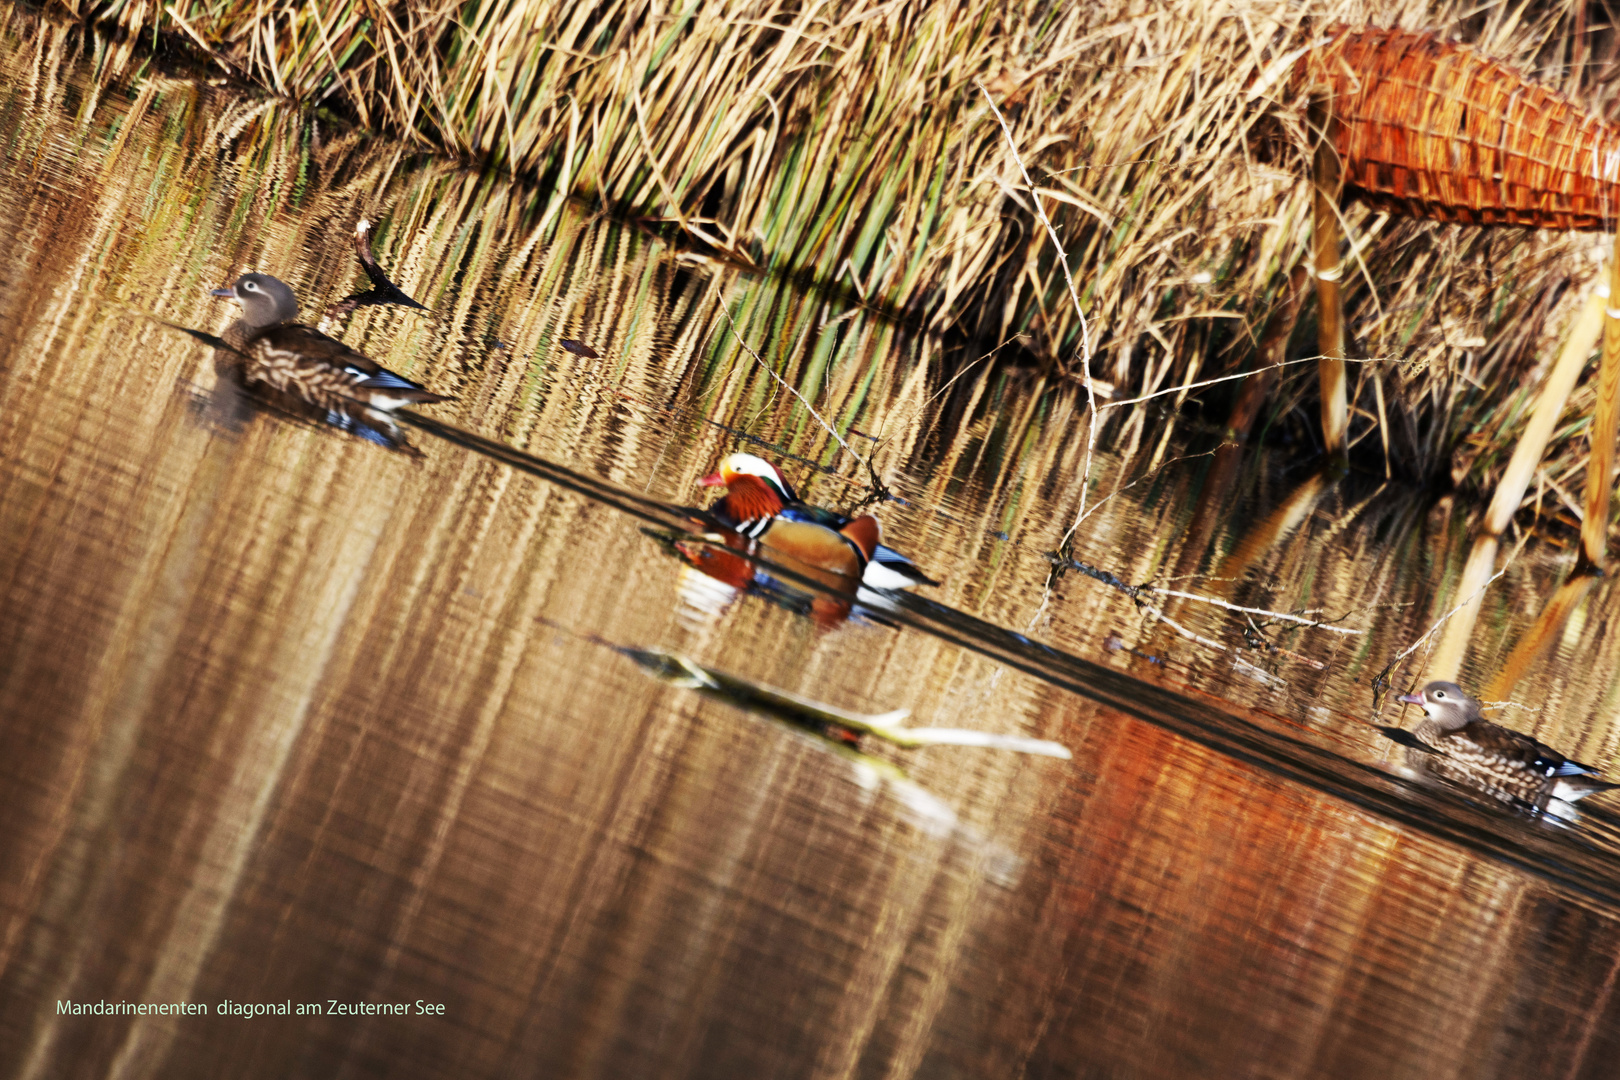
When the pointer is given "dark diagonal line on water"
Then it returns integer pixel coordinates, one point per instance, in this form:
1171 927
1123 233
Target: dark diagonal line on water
1562 858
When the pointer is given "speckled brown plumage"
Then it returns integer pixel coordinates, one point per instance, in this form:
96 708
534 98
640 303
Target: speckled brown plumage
1499 760
273 351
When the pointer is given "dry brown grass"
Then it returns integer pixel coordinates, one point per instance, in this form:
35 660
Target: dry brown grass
846 142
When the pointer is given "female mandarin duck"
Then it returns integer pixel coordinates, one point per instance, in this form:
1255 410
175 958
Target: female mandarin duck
304 363
759 498
1502 760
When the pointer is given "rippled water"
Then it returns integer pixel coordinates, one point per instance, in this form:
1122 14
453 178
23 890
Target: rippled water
289 718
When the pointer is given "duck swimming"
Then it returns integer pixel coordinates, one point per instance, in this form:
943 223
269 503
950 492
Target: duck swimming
752 510
1499 759
286 356
759 498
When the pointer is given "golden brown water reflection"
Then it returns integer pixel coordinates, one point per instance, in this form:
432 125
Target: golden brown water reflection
289 718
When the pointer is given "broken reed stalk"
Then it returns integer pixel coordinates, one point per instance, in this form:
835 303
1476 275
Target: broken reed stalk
1446 660
1533 643
1477 574
1426 128
1432 129
1605 418
846 142
1521 468
1328 183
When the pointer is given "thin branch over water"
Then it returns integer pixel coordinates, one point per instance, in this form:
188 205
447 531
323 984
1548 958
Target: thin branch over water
878 487
1074 298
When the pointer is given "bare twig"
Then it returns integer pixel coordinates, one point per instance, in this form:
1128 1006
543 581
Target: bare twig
1313 623
1257 634
877 482
965 369
1464 602
1150 474
1074 297
1228 378
1260 673
1199 639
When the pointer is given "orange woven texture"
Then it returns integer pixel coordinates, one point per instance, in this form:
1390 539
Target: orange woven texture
1432 129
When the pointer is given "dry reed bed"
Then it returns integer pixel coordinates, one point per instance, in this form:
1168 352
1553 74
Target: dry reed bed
849 142
248 175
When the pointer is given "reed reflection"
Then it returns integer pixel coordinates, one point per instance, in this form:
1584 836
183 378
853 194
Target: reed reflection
291 719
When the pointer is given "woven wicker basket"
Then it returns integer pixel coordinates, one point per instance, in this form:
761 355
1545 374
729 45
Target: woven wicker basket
1432 129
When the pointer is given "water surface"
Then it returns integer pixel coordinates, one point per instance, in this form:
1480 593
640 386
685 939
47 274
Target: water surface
289 718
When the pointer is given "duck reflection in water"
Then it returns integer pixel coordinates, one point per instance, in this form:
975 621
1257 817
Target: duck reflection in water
297 369
1456 742
722 567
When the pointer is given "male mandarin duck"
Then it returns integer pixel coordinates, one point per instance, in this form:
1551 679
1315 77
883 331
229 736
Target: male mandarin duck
303 363
759 499
751 510
1504 761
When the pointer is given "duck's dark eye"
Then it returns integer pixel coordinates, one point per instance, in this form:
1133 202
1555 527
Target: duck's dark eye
1440 693
250 287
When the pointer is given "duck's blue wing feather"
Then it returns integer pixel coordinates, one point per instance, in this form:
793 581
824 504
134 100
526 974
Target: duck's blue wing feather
384 379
